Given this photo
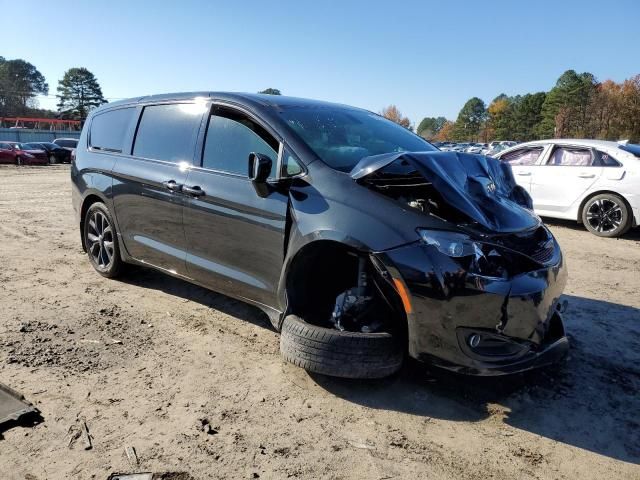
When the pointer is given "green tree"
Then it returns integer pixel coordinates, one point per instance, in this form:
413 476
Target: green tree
271 91
525 114
470 120
564 112
430 126
78 93
20 82
498 114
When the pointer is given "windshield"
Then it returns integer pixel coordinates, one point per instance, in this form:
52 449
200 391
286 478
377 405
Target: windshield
341 137
31 146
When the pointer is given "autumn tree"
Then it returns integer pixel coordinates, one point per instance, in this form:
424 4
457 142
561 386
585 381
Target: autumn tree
392 113
20 83
470 120
271 91
445 134
78 93
430 126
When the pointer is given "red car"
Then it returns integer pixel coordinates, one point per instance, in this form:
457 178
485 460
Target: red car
19 154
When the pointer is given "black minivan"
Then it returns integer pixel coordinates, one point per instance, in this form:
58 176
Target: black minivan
362 242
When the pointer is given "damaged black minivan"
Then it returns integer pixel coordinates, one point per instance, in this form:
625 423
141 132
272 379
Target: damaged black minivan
362 242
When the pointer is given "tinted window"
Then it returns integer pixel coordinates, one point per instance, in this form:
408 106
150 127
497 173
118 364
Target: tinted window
571 156
168 132
6 146
109 129
33 146
67 143
523 156
341 137
231 137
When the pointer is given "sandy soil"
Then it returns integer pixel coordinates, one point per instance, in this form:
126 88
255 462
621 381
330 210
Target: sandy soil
194 381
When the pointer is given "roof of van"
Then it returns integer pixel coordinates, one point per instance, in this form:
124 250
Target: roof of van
243 98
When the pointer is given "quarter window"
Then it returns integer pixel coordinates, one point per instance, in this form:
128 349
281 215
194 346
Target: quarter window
606 160
523 156
168 132
571 156
109 129
231 137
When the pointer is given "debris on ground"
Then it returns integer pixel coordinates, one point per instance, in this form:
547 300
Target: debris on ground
130 452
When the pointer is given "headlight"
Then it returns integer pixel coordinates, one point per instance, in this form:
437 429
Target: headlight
475 257
450 243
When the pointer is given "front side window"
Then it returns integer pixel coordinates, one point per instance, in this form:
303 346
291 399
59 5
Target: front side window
523 156
341 137
168 132
108 129
231 137
571 156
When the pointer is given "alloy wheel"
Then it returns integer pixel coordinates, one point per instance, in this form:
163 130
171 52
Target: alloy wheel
100 240
605 215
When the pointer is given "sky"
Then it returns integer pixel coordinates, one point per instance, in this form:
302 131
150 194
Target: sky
426 57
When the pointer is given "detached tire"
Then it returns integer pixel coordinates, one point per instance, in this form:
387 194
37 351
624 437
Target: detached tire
339 354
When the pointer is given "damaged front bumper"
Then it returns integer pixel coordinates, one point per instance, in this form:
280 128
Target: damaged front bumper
474 324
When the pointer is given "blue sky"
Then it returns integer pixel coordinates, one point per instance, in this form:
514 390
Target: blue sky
428 58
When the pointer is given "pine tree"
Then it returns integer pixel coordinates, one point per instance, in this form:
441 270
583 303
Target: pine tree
79 92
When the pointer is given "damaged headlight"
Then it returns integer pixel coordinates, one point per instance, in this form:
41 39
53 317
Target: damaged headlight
450 243
475 257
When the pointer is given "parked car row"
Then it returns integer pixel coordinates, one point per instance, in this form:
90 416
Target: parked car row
490 149
60 150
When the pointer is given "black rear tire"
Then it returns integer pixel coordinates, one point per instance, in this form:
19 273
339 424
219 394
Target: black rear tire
101 242
339 353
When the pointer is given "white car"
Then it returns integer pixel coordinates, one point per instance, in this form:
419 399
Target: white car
594 182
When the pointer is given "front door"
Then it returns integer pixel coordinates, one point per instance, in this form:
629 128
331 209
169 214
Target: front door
235 238
558 184
147 185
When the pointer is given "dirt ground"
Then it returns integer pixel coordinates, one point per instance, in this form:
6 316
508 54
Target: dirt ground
194 381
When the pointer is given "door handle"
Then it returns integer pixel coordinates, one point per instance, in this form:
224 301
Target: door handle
194 191
172 185
586 175
524 174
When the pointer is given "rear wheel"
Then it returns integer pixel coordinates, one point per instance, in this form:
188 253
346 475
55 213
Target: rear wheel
606 215
339 353
101 242
52 159
18 160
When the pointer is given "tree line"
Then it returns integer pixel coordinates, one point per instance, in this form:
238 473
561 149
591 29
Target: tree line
21 83
578 106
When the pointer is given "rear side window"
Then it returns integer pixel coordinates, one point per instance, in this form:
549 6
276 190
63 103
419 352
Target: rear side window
523 156
571 157
231 137
168 132
109 129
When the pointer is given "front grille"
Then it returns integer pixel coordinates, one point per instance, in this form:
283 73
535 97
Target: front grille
538 245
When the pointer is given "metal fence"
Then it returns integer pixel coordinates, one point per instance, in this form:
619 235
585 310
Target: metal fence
28 135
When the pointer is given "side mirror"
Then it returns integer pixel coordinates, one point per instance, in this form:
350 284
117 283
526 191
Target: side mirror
259 170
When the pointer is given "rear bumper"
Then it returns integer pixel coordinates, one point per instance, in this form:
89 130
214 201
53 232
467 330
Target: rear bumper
517 320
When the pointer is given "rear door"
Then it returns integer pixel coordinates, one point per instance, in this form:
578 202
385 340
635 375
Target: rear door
235 238
147 184
523 162
567 173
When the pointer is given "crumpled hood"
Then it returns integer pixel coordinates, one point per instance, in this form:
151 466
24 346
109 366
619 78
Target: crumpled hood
482 188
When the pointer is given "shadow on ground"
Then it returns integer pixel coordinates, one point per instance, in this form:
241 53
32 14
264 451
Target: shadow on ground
147 278
589 401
